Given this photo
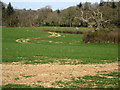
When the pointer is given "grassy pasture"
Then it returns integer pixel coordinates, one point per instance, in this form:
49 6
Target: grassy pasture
66 49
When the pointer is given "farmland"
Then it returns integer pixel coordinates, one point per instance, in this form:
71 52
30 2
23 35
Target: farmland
34 46
67 46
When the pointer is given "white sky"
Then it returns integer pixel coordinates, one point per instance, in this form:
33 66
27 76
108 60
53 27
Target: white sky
50 0
54 0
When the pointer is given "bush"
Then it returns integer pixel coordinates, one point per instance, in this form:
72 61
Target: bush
66 31
102 37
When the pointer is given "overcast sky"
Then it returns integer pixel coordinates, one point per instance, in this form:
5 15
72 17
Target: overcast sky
37 4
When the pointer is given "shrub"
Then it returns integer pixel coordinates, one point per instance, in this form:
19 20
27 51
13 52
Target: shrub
102 37
66 31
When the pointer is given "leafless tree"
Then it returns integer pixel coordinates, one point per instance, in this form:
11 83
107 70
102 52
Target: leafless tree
95 20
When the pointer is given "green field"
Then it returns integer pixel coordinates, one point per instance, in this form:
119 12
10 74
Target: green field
66 49
33 45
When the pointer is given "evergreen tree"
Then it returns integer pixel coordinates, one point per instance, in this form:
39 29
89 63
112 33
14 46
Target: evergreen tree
113 5
101 3
2 6
3 10
9 10
58 11
79 5
24 9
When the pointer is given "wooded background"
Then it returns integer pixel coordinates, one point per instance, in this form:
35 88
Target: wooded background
81 15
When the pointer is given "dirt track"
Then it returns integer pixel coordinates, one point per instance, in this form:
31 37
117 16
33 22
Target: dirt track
45 74
53 34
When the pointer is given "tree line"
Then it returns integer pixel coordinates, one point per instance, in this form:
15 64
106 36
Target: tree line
81 15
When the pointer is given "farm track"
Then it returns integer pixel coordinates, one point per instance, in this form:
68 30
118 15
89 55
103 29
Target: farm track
31 74
53 34
25 40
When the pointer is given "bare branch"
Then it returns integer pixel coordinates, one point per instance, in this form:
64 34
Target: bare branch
95 20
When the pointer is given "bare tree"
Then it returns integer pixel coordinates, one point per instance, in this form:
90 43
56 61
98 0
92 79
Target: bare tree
95 20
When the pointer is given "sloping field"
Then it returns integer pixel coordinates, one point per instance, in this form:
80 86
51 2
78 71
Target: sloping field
59 56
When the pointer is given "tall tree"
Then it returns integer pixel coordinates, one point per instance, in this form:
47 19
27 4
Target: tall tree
113 5
87 6
101 3
2 6
9 10
58 11
3 10
96 20
79 5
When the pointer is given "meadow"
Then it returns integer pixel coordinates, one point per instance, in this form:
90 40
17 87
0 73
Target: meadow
33 45
67 46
